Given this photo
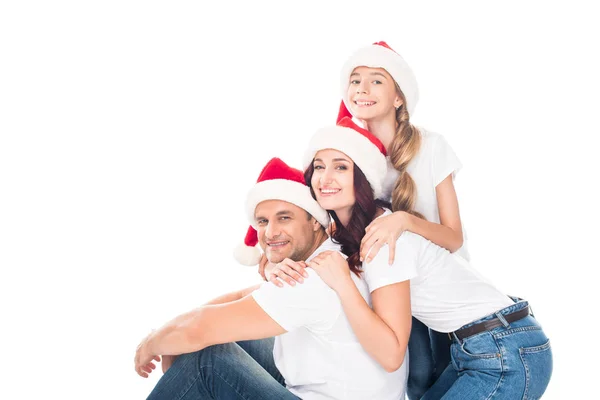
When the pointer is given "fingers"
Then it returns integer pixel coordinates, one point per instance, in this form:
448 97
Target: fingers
366 243
273 279
373 251
296 269
392 247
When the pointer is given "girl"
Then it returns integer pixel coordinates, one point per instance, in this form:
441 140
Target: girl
498 348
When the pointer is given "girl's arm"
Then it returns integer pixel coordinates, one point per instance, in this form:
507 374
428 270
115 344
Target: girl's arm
382 331
448 233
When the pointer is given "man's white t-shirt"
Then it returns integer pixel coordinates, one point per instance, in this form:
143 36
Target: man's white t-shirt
320 356
434 161
445 291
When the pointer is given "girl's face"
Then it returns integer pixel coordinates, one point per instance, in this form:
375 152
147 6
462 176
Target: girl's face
333 182
372 94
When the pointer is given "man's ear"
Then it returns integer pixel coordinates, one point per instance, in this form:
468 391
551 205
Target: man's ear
315 224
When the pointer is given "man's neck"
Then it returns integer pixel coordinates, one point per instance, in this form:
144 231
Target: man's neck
320 237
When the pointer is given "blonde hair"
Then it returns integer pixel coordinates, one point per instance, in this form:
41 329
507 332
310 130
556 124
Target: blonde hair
404 147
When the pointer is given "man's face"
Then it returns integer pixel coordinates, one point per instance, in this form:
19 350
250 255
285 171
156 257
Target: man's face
285 230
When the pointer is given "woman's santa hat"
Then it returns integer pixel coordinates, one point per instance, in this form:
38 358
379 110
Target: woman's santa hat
277 181
380 55
365 150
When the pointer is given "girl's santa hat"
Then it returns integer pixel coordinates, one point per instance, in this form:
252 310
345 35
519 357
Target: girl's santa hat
277 181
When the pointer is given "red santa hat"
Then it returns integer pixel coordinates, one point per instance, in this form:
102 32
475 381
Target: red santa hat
277 181
380 55
365 150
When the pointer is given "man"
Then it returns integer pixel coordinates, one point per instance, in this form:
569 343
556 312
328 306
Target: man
315 356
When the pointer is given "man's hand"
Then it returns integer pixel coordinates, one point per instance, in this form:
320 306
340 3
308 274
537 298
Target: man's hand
143 360
262 265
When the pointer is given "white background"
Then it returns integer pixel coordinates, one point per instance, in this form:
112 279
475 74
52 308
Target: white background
131 131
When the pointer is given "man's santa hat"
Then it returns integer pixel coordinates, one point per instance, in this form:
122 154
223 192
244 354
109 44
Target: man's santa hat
365 150
277 181
380 55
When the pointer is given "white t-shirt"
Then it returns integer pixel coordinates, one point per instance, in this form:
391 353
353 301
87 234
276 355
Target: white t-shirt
320 356
434 161
445 291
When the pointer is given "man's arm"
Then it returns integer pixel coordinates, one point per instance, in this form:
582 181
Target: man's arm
242 319
233 296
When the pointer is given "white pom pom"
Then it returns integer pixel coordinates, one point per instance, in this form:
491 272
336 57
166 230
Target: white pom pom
247 255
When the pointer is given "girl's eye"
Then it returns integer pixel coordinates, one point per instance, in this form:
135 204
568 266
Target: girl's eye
342 167
318 167
354 82
377 82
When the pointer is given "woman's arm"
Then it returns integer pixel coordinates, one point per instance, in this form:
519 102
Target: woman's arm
382 331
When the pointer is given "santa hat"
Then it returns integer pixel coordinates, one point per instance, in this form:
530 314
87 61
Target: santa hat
277 181
365 150
380 55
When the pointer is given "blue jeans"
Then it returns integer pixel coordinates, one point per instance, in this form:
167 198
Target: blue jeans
428 357
513 361
243 370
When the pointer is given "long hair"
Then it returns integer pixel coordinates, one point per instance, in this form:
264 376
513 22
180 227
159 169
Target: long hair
404 147
362 214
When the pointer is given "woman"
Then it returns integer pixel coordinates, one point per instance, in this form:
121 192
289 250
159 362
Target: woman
498 348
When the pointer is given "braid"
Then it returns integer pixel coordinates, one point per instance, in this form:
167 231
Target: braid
404 147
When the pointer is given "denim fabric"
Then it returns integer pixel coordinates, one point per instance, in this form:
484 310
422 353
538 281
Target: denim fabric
513 361
243 370
429 355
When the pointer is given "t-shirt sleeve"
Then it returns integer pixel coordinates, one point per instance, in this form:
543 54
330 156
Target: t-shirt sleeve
379 273
445 161
305 304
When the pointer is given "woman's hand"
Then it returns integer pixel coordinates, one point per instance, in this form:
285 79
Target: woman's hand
333 268
381 231
288 271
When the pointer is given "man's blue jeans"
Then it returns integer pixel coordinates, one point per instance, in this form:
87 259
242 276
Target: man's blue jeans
513 361
243 370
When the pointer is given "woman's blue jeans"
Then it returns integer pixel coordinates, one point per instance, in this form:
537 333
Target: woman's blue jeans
243 370
513 361
428 357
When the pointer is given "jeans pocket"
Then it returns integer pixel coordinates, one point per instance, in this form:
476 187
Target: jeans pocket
480 346
537 361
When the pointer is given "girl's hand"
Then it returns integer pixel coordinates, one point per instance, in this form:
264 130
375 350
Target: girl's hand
333 269
381 231
288 271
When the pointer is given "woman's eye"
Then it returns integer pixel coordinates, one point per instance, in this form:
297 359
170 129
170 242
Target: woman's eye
354 82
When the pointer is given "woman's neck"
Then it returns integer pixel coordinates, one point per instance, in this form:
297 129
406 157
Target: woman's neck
384 129
344 215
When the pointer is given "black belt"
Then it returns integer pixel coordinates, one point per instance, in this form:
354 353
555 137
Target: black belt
489 324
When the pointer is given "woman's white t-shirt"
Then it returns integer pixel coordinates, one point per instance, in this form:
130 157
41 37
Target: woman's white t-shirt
445 291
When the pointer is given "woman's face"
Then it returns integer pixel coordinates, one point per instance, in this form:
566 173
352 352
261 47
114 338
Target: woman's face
372 94
333 182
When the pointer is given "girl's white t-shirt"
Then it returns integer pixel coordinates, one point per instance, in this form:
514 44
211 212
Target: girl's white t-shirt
432 164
